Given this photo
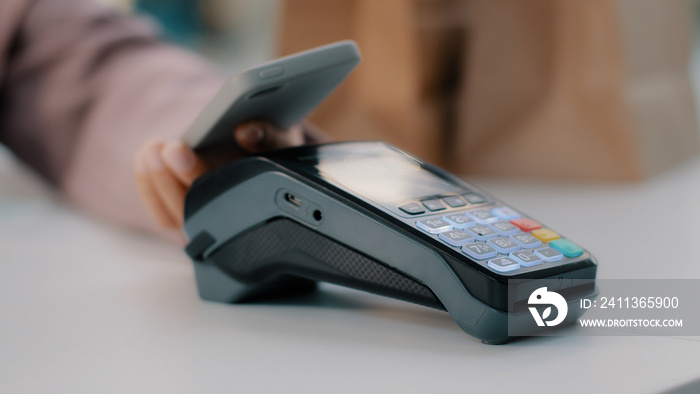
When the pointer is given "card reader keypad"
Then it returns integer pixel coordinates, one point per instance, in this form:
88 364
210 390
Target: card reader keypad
456 237
434 225
433 204
482 232
458 220
482 216
497 237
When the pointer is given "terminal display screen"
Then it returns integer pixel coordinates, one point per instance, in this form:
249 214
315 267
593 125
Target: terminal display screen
378 173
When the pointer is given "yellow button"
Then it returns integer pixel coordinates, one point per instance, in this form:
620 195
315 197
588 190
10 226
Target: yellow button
545 234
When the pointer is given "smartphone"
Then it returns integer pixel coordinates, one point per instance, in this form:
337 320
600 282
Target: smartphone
281 92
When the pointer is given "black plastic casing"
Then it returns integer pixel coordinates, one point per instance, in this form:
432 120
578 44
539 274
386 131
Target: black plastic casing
355 242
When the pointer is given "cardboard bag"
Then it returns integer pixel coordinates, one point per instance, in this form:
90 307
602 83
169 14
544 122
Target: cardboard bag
390 96
595 89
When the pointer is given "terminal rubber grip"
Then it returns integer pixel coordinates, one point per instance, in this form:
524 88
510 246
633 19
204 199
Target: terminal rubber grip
282 248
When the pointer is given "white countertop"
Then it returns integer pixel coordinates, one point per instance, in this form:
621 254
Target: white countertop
88 308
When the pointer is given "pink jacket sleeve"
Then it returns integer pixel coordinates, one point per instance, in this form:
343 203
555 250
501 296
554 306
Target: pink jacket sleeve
81 87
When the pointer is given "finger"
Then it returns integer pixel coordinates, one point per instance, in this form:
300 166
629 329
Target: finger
313 134
149 195
256 136
182 162
169 189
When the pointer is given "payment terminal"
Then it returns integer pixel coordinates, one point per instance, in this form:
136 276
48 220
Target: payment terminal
369 216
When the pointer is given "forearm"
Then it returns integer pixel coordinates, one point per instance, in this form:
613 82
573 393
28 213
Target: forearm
84 87
164 93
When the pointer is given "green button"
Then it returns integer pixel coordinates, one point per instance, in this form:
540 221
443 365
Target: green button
568 248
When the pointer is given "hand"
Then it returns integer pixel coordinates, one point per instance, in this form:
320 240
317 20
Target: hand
166 169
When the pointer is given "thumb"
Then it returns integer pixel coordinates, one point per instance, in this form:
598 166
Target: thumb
182 162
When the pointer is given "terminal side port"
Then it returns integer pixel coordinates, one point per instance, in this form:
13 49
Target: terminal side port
292 200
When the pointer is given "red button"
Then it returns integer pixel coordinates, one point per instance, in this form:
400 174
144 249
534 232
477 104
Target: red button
526 224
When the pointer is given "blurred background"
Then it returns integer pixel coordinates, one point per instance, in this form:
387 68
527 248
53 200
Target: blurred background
234 34
601 90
